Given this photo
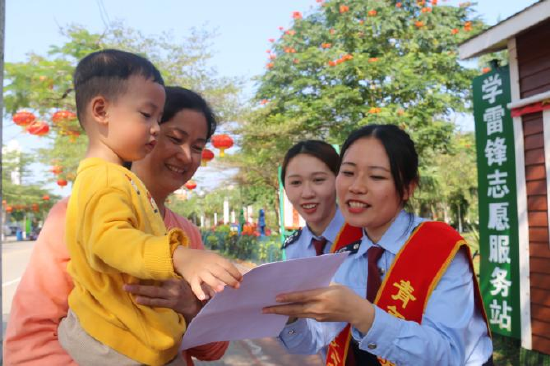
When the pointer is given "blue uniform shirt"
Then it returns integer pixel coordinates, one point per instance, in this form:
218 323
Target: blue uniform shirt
452 332
302 247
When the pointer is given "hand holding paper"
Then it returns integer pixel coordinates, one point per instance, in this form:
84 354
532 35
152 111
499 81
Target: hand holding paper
237 313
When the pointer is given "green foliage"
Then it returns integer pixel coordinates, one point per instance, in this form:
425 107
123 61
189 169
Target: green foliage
21 197
348 64
244 247
43 84
448 182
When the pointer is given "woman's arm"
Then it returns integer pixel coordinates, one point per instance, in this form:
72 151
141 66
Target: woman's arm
40 300
441 338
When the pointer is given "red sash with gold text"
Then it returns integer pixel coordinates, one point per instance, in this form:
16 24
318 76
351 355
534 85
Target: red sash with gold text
413 275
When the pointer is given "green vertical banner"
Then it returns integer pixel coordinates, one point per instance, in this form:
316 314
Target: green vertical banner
498 218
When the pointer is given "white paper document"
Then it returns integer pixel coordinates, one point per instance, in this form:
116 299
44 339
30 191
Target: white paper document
237 314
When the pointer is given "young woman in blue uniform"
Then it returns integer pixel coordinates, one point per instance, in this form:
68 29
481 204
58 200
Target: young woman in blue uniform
309 171
416 302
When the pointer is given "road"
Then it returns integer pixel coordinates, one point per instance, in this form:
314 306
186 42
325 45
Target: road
257 352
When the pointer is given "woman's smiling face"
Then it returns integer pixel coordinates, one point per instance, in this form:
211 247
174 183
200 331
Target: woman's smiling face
366 188
177 155
309 185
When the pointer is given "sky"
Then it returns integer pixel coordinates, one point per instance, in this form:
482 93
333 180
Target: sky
243 28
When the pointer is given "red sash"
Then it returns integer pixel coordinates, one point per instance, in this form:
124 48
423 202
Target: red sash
413 275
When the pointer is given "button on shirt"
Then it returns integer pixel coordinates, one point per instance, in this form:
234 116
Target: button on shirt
303 247
452 332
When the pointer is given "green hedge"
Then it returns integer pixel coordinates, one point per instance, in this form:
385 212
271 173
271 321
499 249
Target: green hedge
244 247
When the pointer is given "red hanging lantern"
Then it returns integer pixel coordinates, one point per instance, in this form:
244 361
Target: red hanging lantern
190 185
35 207
38 128
45 197
23 118
61 182
57 169
222 142
207 155
9 209
63 116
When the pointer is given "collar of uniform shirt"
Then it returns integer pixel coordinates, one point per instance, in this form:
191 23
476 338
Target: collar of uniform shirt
331 231
394 238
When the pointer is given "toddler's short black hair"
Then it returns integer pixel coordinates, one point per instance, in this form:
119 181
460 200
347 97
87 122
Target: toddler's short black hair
106 73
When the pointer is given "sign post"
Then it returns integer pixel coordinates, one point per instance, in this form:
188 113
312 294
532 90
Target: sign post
498 217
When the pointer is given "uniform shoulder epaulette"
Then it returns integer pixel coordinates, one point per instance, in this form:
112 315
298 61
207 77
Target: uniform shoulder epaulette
351 248
292 238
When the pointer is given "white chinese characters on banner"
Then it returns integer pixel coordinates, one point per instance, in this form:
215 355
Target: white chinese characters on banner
493 118
495 151
499 282
497 184
499 249
500 315
498 216
491 89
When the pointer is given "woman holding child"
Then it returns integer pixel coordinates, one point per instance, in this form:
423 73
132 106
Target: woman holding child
41 298
407 294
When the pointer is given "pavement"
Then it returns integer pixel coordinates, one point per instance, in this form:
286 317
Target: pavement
257 352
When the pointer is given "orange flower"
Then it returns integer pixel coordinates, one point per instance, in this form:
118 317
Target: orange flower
400 112
344 8
326 45
373 59
339 61
454 31
281 28
271 40
375 110
331 63
289 50
361 21
372 13
419 24
399 5
291 32
264 101
332 31
468 24
270 65
296 61
347 57
434 2
426 10
486 70
272 57
421 2
297 15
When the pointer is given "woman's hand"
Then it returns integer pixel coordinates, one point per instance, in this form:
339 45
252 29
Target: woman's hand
335 303
172 294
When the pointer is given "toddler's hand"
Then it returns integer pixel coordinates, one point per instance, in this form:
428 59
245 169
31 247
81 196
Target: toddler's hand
202 266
